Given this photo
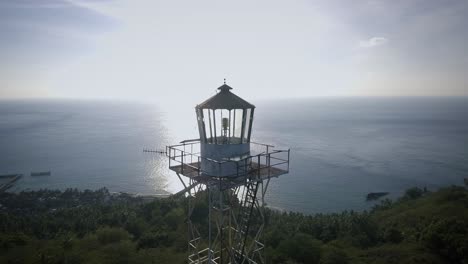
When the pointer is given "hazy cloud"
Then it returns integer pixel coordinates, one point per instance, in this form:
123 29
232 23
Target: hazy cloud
373 42
153 49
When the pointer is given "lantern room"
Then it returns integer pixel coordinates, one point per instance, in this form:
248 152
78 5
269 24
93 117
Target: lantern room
225 118
225 126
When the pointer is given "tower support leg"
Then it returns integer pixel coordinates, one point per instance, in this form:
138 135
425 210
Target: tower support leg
236 219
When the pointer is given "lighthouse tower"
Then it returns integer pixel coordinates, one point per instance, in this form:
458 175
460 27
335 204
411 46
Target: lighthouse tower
233 173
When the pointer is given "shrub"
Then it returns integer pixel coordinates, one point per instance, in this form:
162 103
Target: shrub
333 255
302 248
12 240
384 204
413 193
109 235
154 240
448 238
393 235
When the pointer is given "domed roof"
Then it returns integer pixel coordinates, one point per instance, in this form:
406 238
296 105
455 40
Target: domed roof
225 99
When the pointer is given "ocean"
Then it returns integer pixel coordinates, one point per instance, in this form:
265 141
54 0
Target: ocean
341 148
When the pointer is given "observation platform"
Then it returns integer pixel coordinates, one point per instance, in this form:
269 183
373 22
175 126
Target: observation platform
185 160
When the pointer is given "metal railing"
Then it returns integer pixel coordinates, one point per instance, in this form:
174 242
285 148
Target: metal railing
188 157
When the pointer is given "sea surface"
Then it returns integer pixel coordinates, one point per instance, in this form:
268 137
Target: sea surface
341 148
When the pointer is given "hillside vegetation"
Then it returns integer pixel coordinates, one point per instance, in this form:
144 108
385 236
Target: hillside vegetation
96 227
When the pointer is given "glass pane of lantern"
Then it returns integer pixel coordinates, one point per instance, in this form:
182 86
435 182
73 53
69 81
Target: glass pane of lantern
207 120
237 125
247 124
231 126
200 125
217 126
224 127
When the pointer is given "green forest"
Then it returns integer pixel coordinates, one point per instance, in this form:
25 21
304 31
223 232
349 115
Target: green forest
75 226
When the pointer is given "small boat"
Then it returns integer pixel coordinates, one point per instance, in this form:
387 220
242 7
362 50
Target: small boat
375 195
41 173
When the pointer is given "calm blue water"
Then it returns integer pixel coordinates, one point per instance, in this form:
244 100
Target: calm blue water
342 148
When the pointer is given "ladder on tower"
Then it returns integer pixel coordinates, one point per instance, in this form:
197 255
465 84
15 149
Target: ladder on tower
244 220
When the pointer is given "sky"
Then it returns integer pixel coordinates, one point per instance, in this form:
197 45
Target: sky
180 51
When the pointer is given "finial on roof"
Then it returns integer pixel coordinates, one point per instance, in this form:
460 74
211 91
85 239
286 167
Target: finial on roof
224 87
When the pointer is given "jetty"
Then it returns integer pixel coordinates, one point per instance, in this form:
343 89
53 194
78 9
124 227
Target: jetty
11 175
375 195
12 178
